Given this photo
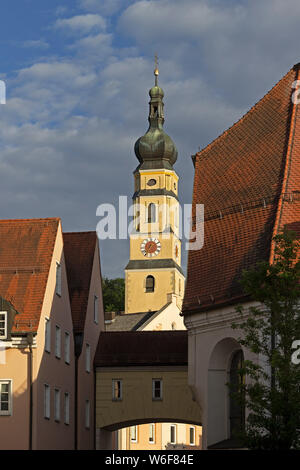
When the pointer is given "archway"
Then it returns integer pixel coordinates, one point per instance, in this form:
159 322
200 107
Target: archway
222 363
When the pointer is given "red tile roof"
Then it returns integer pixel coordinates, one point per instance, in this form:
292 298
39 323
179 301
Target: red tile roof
248 180
134 348
26 249
79 250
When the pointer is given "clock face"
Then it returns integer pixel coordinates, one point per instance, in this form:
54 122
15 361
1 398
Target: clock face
150 247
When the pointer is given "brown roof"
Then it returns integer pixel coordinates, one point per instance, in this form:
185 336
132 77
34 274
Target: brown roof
26 249
79 250
134 348
248 180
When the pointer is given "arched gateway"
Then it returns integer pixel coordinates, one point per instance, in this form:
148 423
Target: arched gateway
141 377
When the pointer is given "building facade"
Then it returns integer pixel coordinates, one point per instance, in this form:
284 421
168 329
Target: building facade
261 154
41 403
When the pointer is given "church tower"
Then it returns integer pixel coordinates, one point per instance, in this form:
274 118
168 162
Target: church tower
154 270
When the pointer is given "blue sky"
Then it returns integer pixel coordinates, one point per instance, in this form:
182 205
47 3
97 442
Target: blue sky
78 74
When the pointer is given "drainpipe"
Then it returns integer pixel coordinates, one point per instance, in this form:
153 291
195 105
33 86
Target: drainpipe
29 338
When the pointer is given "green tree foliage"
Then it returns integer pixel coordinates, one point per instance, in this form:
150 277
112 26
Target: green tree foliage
271 389
113 294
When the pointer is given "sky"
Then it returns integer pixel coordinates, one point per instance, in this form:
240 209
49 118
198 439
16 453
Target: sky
78 73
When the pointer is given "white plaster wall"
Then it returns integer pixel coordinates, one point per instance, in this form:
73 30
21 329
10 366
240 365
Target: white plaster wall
208 372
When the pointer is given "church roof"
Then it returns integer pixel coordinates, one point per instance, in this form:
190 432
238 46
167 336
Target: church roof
136 348
128 321
79 250
26 250
249 182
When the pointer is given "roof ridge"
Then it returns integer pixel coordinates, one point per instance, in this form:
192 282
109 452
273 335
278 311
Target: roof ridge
79 232
250 111
46 219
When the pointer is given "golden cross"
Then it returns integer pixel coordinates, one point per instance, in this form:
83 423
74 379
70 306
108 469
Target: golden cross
156 71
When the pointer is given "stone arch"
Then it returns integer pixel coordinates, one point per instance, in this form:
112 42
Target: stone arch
218 402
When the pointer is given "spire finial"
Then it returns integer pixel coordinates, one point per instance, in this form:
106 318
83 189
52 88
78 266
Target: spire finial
156 71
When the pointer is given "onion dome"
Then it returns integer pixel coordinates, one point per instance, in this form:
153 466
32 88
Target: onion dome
156 149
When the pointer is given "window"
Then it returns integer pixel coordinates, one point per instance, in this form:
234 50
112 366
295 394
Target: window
150 283
57 404
133 433
67 347
151 213
173 433
58 279
3 325
96 309
87 414
156 389
67 408
57 342
88 358
117 389
192 436
152 433
47 335
5 397
46 401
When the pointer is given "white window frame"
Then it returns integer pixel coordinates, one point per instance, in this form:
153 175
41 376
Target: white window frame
10 395
47 401
57 404
120 398
87 414
47 335
67 347
58 279
133 434
57 341
87 357
173 426
192 428
151 433
96 309
4 314
67 408
154 398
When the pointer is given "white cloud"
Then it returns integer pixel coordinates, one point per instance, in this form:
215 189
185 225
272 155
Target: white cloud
105 7
68 128
82 23
36 44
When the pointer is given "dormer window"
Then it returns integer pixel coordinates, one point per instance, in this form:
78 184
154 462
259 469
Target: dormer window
3 325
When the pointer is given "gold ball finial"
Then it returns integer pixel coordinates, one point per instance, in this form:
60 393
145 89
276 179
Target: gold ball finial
156 71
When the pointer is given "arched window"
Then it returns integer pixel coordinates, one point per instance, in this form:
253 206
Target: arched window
151 213
150 282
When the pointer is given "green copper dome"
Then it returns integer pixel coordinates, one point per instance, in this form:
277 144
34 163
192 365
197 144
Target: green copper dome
156 149
156 91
